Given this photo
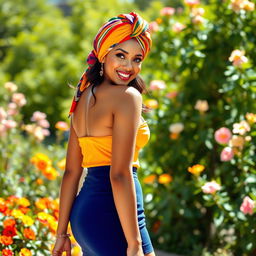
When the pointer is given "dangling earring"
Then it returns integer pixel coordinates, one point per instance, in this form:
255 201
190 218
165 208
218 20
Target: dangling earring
101 69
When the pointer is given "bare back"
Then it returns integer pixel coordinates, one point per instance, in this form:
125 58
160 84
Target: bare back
92 119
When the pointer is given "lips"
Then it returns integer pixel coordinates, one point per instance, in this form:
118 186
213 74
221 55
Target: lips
123 75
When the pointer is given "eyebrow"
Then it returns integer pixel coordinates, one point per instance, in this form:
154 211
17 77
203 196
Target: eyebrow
127 52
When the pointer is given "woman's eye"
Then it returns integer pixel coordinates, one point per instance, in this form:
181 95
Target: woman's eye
120 55
138 60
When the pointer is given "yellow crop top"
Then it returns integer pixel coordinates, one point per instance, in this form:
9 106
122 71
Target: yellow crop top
96 150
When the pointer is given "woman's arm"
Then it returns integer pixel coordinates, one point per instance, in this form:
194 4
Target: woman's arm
70 181
126 121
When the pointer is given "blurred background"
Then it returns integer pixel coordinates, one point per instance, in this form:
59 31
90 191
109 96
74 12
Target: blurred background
198 170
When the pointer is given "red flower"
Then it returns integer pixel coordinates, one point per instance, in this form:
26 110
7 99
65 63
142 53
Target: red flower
7 252
9 231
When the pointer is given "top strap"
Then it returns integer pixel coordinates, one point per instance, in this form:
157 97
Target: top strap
87 109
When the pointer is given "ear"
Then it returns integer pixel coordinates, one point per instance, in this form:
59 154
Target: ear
103 60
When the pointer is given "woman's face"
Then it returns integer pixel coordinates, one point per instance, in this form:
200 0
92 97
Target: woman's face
123 63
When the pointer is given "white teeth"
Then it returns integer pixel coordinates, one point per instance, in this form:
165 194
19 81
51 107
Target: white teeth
124 75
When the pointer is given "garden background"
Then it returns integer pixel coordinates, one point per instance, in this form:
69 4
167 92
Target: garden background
198 170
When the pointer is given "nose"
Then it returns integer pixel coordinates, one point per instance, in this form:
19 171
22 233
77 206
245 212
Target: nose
128 65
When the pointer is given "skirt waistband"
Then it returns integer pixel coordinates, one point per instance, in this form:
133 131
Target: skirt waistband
105 167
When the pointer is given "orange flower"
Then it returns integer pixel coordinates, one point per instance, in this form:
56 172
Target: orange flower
50 173
41 161
156 226
29 233
149 179
9 222
165 178
159 20
3 206
174 136
62 126
39 181
41 164
23 209
25 252
196 169
6 240
43 203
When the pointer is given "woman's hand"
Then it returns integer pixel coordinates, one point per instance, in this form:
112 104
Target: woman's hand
62 244
135 251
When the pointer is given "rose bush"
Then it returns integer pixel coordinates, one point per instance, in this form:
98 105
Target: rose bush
202 129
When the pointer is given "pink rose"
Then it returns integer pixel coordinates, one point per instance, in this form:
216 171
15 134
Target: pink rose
167 11
171 95
198 20
222 135
3 114
2 130
43 123
211 187
9 124
12 109
19 99
247 206
238 57
153 26
157 85
192 3
37 116
11 87
45 132
177 27
226 154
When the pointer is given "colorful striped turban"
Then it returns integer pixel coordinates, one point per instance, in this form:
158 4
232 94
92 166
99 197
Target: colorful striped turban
117 30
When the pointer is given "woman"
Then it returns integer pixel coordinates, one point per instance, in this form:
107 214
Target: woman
107 216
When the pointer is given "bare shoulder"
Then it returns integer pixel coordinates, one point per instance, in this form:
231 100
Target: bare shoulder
126 95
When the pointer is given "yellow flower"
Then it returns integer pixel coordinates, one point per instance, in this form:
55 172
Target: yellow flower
164 178
149 179
151 103
251 117
62 164
23 202
25 252
18 214
196 169
27 221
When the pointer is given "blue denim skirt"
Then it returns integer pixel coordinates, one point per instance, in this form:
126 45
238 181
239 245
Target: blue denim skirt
94 219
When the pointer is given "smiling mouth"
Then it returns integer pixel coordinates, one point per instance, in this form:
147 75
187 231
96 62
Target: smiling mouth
124 76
